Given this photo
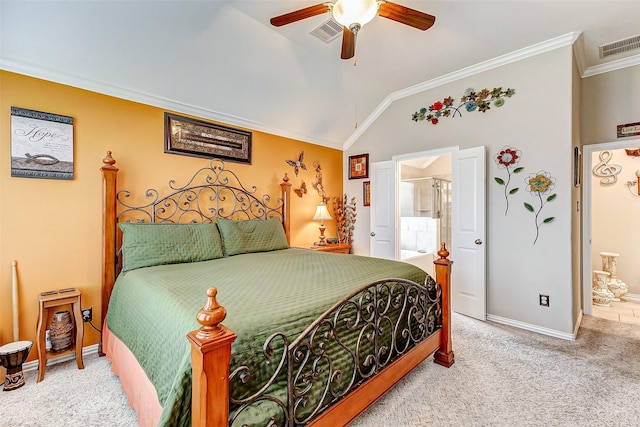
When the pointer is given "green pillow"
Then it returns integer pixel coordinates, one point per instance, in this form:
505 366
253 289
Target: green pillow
254 235
144 245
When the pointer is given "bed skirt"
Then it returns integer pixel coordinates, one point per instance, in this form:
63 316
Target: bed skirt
139 390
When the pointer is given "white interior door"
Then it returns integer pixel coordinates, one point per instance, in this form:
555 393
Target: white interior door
468 283
383 210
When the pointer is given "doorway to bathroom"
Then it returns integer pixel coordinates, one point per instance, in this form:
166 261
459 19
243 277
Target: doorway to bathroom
425 205
466 171
611 230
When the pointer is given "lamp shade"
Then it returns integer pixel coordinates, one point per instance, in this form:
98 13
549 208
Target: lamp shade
349 12
322 213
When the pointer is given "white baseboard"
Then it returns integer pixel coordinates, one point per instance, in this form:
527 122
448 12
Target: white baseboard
634 297
33 365
534 328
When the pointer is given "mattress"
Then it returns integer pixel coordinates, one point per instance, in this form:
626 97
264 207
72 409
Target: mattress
153 308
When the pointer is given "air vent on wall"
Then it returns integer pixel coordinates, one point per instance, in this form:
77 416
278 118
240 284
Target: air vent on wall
620 46
327 31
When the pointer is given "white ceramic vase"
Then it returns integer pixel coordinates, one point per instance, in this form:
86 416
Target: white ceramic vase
610 264
601 294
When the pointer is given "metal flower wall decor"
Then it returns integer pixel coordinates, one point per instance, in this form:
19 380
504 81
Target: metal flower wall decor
539 184
471 101
507 158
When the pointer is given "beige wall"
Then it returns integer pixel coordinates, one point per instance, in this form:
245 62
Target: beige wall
576 201
608 100
53 228
439 168
538 120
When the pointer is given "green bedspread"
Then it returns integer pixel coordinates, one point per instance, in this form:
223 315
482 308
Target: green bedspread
152 309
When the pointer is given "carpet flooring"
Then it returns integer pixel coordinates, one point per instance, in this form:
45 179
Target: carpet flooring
502 376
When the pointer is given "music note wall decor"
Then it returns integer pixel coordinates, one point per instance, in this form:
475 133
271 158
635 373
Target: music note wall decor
608 173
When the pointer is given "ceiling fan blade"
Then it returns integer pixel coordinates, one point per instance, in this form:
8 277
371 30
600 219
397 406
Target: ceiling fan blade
348 44
298 15
405 15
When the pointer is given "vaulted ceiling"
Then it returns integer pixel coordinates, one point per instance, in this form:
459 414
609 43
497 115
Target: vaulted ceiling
223 60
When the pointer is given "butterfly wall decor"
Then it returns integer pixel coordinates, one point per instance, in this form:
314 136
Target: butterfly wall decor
302 190
297 164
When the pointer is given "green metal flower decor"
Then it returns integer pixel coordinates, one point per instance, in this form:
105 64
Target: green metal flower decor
471 101
507 158
540 184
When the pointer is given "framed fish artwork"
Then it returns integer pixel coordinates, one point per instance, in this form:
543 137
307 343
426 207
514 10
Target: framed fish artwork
41 144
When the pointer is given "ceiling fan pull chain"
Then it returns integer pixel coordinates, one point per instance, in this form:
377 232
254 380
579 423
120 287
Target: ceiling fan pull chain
355 89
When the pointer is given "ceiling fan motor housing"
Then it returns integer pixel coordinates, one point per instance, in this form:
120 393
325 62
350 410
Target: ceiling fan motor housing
354 14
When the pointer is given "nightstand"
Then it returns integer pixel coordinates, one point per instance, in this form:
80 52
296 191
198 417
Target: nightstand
50 300
339 248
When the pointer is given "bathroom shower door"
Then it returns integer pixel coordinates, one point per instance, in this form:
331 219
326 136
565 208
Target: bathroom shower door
442 208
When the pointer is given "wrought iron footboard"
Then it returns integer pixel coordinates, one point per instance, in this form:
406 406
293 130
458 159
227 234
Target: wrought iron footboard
350 343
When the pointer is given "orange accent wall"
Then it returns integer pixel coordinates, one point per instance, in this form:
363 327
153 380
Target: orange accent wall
53 228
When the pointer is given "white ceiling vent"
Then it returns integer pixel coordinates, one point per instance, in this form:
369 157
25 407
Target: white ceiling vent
327 31
620 46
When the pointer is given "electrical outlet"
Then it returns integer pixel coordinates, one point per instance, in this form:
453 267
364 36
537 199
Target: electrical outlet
544 300
87 314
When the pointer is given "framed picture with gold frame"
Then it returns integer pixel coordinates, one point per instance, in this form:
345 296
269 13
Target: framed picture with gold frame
366 193
359 166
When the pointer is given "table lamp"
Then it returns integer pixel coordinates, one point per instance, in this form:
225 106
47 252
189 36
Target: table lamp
322 214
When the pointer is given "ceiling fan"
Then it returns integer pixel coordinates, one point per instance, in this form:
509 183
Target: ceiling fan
354 14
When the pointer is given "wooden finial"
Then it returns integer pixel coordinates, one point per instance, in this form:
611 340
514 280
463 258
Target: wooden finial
211 316
108 160
286 178
443 252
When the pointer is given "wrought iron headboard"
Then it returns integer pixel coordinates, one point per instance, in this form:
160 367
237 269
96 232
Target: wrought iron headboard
212 192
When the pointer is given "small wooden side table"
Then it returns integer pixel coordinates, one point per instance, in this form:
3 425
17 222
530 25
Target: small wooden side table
339 248
47 301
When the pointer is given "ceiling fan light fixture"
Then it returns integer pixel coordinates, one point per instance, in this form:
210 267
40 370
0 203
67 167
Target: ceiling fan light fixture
351 13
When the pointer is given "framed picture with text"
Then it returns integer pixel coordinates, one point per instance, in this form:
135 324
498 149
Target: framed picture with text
359 166
41 144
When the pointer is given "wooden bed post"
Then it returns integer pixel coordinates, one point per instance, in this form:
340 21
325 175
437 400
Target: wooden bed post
444 355
286 209
210 356
109 178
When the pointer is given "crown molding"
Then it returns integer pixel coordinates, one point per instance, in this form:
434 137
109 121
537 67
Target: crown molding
154 101
578 54
518 55
619 64
179 107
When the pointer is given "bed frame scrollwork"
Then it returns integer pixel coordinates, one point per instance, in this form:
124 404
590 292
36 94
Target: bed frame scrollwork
351 342
394 323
